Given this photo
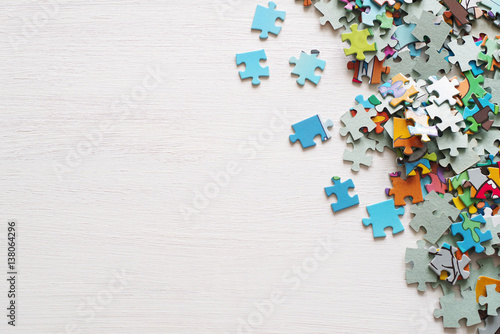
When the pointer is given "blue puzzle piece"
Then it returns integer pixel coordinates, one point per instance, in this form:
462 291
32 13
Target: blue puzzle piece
404 36
484 101
265 20
366 103
413 51
469 229
367 17
252 65
410 166
476 70
305 67
383 215
341 190
306 130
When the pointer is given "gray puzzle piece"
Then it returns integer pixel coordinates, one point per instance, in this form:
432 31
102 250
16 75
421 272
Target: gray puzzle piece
353 124
420 272
358 155
445 260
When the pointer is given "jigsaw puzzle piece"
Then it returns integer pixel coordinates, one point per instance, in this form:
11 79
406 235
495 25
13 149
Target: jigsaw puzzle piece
305 67
333 12
358 156
420 272
492 299
402 136
470 231
265 20
372 69
359 42
308 129
383 215
353 124
405 188
253 69
446 260
482 282
341 191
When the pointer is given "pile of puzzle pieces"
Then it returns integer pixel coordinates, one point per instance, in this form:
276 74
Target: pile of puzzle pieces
444 130
436 64
447 166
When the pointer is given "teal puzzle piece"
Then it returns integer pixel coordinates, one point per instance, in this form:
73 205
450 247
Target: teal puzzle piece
383 215
253 69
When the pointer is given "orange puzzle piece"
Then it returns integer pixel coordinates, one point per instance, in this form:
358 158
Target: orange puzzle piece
402 136
405 188
482 282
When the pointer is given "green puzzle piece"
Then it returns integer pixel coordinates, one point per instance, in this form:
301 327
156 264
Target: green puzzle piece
359 42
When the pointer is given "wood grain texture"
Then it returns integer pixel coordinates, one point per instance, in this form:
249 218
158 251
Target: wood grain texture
97 169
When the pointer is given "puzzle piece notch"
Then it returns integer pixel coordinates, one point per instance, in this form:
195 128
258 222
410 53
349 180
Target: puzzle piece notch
383 215
341 191
265 20
253 69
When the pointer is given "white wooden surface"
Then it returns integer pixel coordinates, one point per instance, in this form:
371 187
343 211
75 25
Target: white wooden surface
113 206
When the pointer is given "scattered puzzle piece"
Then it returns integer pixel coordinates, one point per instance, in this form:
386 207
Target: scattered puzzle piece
383 215
445 260
359 42
492 299
470 231
405 188
265 20
453 310
353 124
252 65
341 191
420 272
305 67
308 129
358 155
